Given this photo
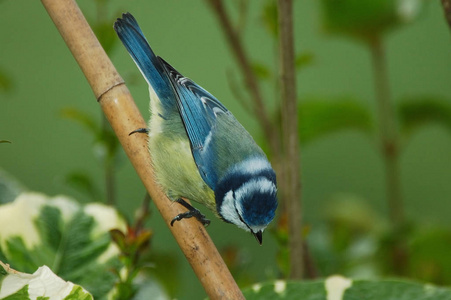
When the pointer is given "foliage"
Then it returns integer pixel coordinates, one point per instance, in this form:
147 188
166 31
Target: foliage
71 239
42 284
415 112
342 288
131 245
74 241
269 18
367 19
356 241
318 117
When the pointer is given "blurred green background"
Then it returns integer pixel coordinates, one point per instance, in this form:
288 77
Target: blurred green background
41 79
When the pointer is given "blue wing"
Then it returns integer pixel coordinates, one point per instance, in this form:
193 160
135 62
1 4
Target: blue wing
197 107
148 63
199 111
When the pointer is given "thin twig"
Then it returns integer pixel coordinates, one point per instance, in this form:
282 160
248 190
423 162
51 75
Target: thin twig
123 115
242 18
290 136
390 152
142 213
388 131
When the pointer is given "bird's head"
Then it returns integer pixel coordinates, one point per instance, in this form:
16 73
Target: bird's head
247 197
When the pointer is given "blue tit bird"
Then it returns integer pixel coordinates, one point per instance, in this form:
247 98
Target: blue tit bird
199 150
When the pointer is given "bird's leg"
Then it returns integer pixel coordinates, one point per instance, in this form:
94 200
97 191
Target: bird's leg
139 130
192 212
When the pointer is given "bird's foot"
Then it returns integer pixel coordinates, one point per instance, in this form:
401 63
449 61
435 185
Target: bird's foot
192 212
139 130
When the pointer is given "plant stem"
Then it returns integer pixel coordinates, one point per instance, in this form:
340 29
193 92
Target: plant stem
143 213
390 151
388 132
290 136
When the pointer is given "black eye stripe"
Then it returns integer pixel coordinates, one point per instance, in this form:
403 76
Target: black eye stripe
239 216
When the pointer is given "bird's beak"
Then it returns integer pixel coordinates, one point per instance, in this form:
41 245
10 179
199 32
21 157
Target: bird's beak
258 236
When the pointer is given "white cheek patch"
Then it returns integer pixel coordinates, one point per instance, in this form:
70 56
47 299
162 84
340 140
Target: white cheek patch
229 212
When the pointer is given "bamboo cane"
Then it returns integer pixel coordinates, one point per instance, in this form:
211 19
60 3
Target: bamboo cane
124 117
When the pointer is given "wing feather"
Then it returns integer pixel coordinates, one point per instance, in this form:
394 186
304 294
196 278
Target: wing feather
199 111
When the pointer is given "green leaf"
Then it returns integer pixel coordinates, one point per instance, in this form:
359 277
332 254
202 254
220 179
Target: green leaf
21 294
395 289
416 112
19 256
119 238
2 272
72 239
270 18
42 284
2 257
81 117
281 289
50 226
78 293
337 287
77 250
318 118
5 142
367 19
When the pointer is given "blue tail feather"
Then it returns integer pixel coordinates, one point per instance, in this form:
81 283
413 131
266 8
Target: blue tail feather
136 44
